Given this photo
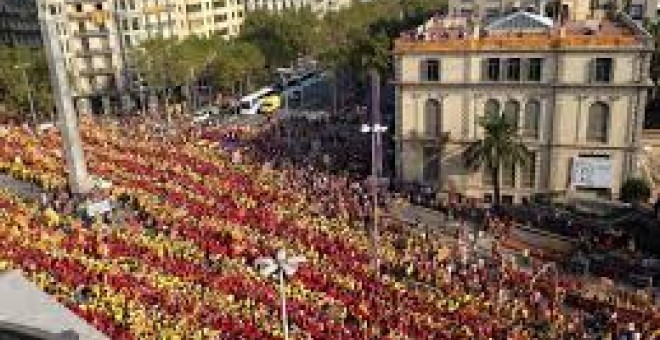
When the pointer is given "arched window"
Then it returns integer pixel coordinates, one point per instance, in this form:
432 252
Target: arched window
532 119
598 124
512 112
432 118
492 107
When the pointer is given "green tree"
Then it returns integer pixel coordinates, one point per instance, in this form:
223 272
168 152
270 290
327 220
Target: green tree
237 62
283 36
17 64
635 190
500 146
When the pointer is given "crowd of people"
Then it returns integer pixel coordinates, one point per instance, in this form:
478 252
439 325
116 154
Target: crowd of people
196 206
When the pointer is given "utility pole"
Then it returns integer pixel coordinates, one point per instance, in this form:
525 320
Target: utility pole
68 124
376 130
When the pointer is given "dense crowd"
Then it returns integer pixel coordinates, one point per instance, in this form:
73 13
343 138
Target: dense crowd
195 207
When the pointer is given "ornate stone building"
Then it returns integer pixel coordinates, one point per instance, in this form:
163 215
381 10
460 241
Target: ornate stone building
576 91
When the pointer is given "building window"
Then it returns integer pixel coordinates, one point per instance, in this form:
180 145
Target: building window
636 12
431 118
487 176
431 169
219 4
122 5
127 40
492 12
532 119
598 124
194 8
528 172
508 175
124 24
99 6
492 69
512 113
513 69
534 69
131 5
79 8
492 107
220 18
136 24
601 71
430 70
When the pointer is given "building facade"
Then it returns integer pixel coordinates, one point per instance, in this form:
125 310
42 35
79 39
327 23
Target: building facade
317 6
96 36
575 91
18 23
573 9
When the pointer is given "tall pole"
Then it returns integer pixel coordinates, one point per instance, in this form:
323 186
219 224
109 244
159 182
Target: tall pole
33 112
375 159
285 322
75 162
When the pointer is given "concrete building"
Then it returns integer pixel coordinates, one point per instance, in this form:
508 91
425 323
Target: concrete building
575 90
574 9
96 35
317 6
18 23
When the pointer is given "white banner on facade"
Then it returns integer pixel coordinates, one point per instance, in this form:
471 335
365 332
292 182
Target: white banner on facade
592 172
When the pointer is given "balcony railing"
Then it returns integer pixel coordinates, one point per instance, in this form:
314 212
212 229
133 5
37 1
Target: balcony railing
94 51
97 71
425 137
92 33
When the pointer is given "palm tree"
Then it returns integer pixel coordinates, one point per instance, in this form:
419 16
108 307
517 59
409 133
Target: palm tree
500 146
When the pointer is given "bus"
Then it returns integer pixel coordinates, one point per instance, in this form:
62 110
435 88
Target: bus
251 104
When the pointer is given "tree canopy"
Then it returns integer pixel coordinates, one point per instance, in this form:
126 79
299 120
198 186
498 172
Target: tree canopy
501 145
17 63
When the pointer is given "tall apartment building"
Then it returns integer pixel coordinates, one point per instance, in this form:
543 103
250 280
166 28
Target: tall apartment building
573 9
576 91
317 6
18 23
96 34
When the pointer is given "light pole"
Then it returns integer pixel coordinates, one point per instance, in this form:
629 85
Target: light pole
280 266
546 267
23 67
375 130
284 72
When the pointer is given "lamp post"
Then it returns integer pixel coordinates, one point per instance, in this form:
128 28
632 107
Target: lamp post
280 266
284 72
23 67
546 267
376 130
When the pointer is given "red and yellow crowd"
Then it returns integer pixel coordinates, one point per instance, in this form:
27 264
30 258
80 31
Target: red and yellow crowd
175 258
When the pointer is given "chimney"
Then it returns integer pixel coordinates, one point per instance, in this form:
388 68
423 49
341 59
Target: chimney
476 31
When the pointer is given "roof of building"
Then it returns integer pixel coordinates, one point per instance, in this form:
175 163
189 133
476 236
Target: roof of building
522 30
521 20
26 310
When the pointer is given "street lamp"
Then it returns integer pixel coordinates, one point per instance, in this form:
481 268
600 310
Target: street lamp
376 131
284 72
23 68
546 267
280 266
